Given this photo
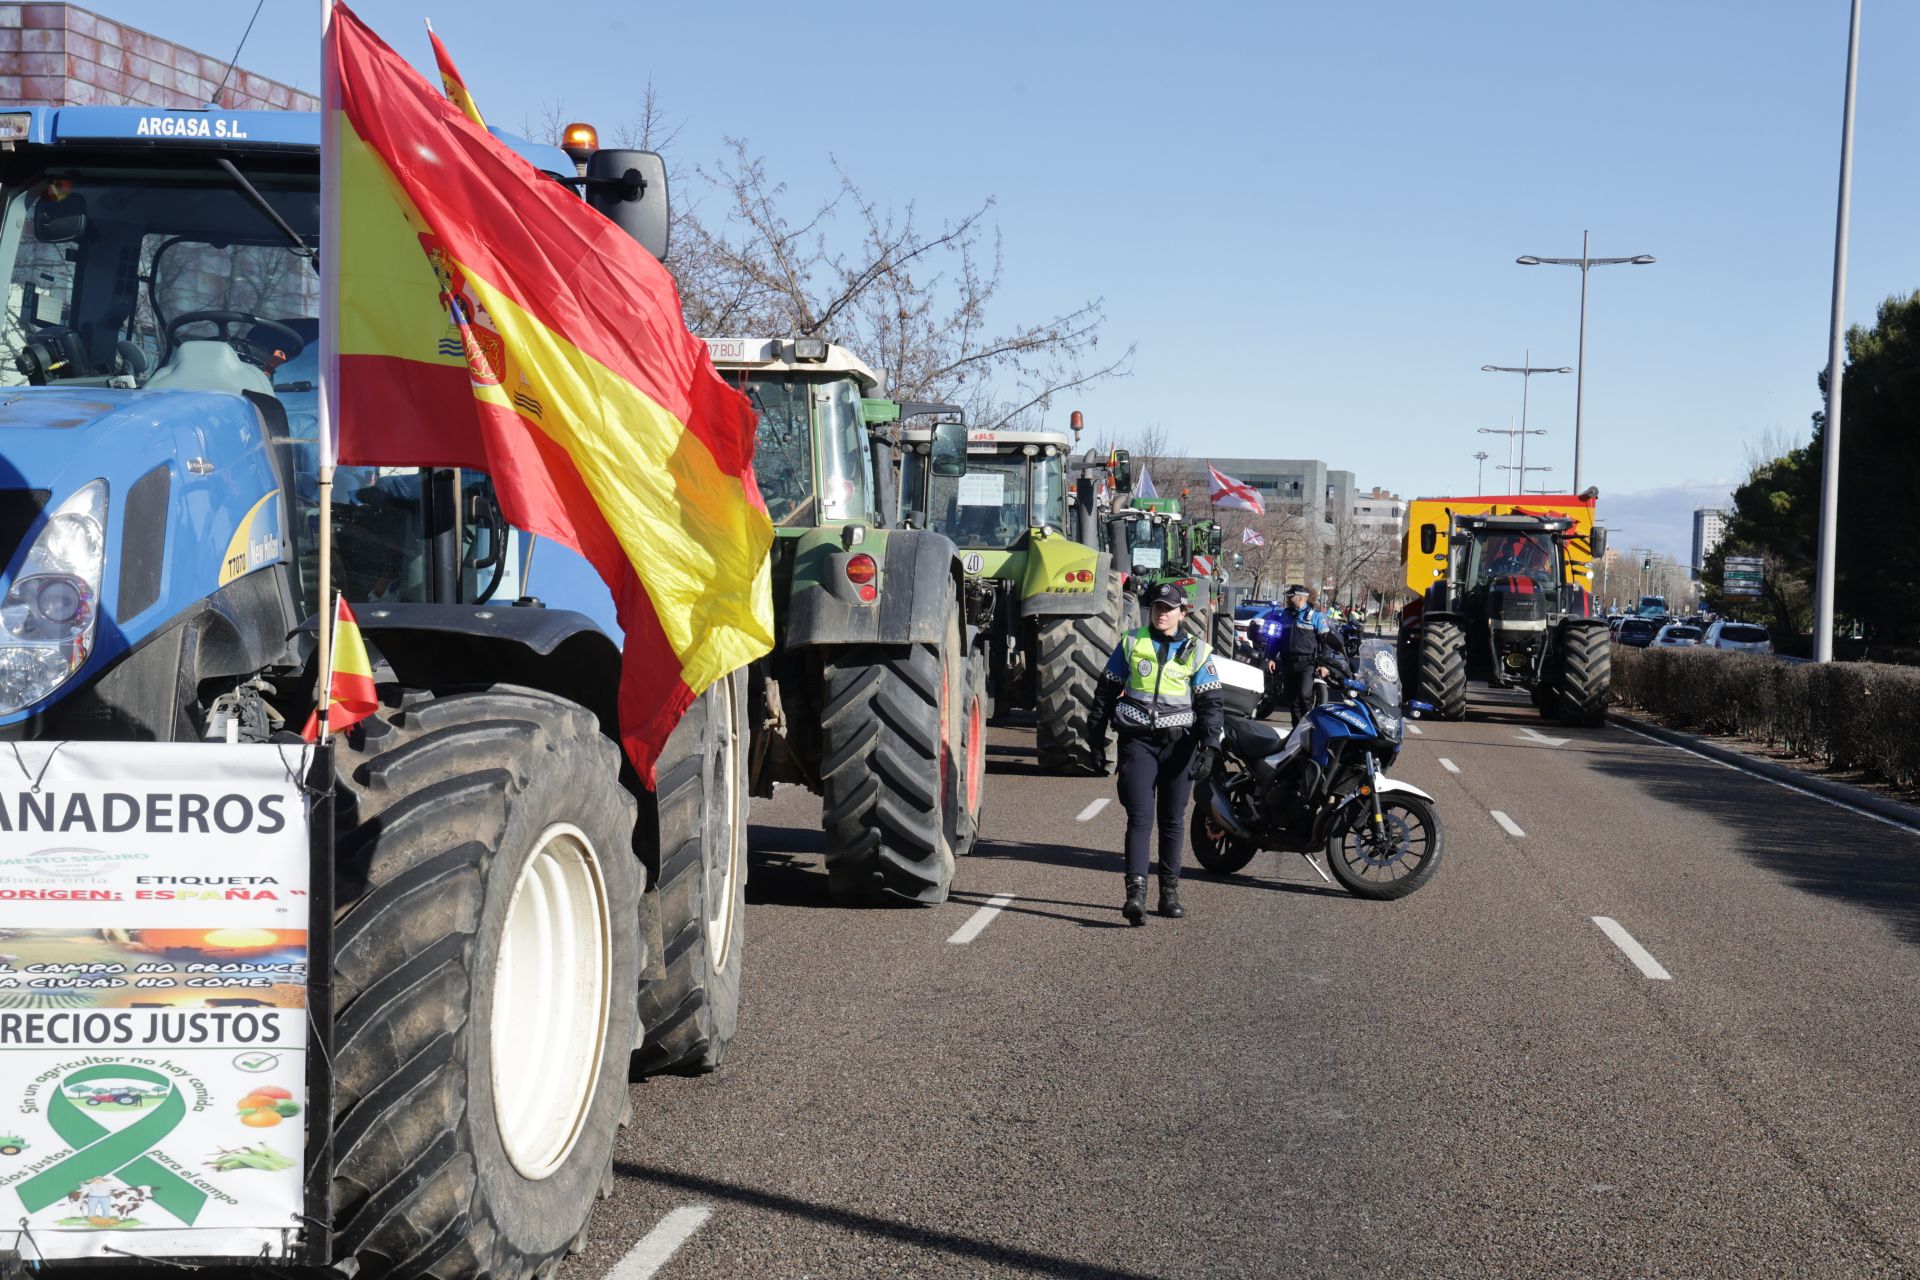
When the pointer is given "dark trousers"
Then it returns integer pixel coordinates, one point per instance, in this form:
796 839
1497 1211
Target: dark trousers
1154 790
1296 682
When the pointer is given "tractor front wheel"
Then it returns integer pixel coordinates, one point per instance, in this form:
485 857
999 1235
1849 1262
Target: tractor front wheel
892 772
690 1012
485 964
1586 674
1442 648
1073 652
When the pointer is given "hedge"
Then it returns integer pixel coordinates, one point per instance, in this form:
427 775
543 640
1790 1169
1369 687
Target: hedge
1848 715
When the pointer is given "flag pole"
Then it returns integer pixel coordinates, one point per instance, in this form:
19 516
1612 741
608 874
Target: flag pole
329 348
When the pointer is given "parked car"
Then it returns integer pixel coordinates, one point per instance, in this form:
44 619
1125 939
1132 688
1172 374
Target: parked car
1638 632
1676 635
1740 637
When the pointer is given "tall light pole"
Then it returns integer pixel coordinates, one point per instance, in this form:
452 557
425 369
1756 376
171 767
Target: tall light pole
1511 433
1480 474
1585 263
1836 358
1526 369
1522 470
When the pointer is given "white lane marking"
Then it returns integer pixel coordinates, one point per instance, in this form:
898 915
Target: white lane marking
1086 814
1414 728
1537 736
1785 786
658 1246
1640 956
1512 827
1449 765
980 919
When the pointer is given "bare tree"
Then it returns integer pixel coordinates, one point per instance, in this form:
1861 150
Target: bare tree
913 301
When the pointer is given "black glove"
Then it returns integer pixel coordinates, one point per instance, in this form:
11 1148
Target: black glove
1097 734
1202 766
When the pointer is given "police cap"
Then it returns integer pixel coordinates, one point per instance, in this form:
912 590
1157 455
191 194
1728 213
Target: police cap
1164 593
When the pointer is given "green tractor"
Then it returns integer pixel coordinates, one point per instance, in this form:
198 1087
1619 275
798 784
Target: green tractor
1050 605
875 694
1165 546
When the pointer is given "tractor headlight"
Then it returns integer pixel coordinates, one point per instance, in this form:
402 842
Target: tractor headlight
47 617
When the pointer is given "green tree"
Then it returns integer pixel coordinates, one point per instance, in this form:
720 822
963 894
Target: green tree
1879 524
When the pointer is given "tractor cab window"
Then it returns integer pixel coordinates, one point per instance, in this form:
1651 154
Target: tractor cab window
985 508
1150 541
105 265
1050 491
796 414
1498 555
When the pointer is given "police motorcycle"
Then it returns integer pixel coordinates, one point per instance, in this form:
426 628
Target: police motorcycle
1324 786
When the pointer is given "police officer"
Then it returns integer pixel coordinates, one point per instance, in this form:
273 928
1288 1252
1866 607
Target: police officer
1294 638
1161 692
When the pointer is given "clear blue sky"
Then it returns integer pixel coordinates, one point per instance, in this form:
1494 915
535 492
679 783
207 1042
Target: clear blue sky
1306 214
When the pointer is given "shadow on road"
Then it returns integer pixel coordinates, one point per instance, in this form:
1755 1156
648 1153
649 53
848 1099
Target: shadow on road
1031 907
776 877
1052 855
959 1246
1008 749
1880 872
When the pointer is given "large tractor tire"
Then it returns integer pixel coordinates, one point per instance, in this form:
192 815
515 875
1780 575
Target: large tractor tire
485 965
1442 649
1586 675
1073 652
689 1013
891 775
975 710
1224 640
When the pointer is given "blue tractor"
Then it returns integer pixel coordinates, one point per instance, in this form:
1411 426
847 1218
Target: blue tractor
158 509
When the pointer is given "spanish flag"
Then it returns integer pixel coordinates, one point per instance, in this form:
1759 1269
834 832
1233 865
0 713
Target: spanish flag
489 319
450 80
350 694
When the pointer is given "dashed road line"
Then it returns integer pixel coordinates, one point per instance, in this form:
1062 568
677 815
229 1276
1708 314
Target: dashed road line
980 919
1507 824
1086 814
1641 957
1449 765
1414 728
658 1246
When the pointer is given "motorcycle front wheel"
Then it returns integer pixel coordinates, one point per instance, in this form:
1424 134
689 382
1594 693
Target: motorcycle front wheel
1214 847
1395 857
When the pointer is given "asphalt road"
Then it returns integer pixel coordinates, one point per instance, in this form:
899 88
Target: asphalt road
1476 1081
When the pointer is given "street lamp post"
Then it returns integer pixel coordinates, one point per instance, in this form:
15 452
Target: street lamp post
1510 433
1526 369
1522 470
1480 474
1836 371
1584 262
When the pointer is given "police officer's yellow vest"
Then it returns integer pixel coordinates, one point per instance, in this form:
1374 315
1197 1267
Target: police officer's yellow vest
1159 694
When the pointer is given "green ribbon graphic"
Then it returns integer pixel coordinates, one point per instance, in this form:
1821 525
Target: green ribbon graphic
99 1151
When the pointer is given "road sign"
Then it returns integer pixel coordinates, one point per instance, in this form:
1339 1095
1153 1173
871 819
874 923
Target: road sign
1742 575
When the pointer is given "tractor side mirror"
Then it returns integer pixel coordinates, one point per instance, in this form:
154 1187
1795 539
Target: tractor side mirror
1598 541
630 188
1429 538
949 449
59 221
1122 470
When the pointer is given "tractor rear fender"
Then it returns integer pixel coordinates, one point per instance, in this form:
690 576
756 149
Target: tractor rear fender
1442 615
1045 589
1572 624
919 579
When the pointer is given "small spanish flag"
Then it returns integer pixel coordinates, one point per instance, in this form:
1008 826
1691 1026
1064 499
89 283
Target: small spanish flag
450 80
350 683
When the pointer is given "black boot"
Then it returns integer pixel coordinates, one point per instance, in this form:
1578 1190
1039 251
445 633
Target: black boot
1135 909
1170 897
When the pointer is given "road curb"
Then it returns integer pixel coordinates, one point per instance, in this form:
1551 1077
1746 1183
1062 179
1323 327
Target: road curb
1894 811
